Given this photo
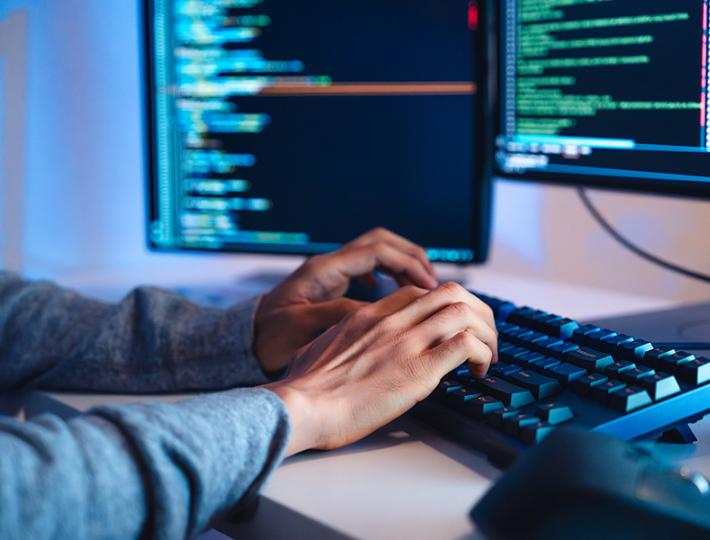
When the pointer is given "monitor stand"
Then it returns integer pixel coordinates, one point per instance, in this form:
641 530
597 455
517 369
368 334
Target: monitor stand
686 327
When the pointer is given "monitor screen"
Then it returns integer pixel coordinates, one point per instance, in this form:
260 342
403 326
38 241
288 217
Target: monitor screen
607 93
292 127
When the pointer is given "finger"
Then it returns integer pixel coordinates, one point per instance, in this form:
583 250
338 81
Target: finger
326 314
365 259
463 347
396 301
398 242
443 296
452 320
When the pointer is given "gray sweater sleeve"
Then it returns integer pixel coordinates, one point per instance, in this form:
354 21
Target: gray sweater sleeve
139 471
152 341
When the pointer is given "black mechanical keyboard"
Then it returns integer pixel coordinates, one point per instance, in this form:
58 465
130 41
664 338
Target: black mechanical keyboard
553 371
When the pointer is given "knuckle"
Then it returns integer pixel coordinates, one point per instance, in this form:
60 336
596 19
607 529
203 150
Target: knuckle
452 289
412 291
459 310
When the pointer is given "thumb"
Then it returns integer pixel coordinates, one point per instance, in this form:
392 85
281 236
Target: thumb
325 314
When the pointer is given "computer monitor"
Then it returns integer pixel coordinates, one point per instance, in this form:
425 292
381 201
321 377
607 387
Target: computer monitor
292 127
612 94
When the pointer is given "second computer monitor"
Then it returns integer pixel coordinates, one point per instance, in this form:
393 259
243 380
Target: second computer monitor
293 127
604 93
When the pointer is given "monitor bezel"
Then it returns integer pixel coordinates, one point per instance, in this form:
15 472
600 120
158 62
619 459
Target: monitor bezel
482 179
648 186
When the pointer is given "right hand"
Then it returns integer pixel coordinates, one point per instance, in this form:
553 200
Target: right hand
380 361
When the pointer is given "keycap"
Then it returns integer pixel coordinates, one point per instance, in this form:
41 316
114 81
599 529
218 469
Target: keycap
540 385
601 391
634 349
448 385
553 414
543 345
566 373
562 328
545 363
652 356
530 358
634 374
501 368
584 384
504 346
559 351
528 339
659 385
618 367
671 362
695 372
482 405
589 359
579 336
629 399
510 394
509 355
498 416
535 433
461 396
513 424
612 343
522 316
595 339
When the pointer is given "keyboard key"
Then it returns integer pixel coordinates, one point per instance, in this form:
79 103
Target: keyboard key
593 339
602 391
504 346
659 385
543 345
447 386
461 396
513 424
618 367
498 416
566 373
541 386
510 394
589 358
501 368
695 372
535 433
579 336
633 375
509 355
522 316
530 358
482 405
671 362
629 399
652 356
528 339
545 363
559 351
554 414
562 328
634 350
584 385
612 343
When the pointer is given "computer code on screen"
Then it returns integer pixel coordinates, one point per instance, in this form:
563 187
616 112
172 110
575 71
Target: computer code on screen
605 87
297 125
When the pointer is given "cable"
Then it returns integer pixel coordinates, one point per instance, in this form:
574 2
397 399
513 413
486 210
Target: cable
633 247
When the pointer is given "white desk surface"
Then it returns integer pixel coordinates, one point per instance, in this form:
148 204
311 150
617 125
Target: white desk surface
405 481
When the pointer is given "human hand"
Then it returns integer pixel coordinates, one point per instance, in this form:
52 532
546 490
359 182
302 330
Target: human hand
310 300
380 361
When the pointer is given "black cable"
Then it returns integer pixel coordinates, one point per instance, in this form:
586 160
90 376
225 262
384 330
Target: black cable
633 247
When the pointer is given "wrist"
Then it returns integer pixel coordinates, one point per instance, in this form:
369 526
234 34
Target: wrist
302 415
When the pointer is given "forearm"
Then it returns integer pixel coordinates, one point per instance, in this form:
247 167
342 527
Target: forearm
141 471
152 341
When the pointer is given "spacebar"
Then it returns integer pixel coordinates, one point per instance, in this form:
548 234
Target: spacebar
508 393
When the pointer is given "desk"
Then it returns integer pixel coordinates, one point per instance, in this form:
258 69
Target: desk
405 481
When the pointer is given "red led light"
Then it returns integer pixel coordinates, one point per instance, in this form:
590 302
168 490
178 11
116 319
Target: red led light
473 15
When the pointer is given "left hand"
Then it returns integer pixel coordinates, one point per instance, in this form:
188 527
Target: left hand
311 299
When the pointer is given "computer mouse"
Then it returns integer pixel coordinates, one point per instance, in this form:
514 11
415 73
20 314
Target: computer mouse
583 485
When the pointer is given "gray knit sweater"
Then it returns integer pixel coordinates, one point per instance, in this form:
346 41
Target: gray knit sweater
138 471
